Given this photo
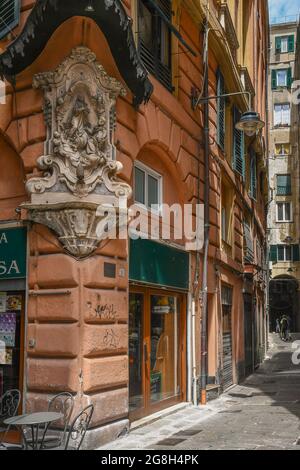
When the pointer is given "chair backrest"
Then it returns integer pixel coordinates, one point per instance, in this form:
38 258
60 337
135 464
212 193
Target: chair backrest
62 403
10 403
79 428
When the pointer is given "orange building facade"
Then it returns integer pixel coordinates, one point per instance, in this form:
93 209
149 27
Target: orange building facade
98 105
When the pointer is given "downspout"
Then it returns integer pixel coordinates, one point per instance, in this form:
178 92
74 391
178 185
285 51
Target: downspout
204 292
267 299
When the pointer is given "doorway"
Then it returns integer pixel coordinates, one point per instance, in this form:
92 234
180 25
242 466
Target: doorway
157 347
12 324
227 337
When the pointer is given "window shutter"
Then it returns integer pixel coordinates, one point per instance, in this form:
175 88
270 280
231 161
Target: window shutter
273 253
291 41
9 16
221 111
253 175
274 79
278 44
296 253
238 145
289 78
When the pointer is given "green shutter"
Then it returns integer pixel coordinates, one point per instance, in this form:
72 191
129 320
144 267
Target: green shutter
253 175
221 111
296 253
273 253
289 78
274 79
278 44
291 41
238 145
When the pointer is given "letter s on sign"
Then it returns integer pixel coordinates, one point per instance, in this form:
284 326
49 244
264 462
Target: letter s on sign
3 269
296 354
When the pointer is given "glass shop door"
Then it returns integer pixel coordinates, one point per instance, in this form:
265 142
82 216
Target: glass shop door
156 351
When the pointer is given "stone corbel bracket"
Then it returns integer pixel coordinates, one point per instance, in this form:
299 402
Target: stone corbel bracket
79 183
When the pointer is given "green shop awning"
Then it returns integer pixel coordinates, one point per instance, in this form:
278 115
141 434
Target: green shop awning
158 264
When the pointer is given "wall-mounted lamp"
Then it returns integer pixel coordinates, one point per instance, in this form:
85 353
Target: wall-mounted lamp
250 123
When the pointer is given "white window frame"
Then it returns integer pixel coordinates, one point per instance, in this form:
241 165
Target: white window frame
150 172
285 249
286 77
284 212
284 39
282 111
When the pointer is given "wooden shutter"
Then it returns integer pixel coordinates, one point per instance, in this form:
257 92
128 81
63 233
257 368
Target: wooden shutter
289 77
221 111
253 175
9 16
296 253
274 79
291 43
238 145
273 253
278 44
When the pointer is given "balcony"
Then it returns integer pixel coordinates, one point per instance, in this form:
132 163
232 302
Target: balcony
284 190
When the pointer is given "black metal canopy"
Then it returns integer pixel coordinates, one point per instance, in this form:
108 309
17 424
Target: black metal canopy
109 15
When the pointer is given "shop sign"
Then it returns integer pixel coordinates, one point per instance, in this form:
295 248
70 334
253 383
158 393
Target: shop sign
12 253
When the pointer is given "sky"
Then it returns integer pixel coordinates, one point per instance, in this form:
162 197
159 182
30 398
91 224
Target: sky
281 8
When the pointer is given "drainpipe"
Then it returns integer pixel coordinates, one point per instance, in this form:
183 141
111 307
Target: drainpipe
204 293
194 368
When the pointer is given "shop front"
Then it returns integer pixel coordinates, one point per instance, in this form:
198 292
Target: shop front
12 307
157 327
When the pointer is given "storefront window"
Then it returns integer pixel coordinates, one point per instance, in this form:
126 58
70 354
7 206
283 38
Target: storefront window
164 348
11 319
136 307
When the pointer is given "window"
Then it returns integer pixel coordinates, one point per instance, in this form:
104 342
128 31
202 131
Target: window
238 145
284 212
284 44
221 111
284 253
282 149
282 115
155 40
147 187
281 78
284 185
9 16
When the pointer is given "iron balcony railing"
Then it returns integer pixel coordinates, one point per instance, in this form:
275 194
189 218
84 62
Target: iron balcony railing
284 190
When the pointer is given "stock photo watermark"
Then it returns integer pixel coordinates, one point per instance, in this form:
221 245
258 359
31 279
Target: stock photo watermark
171 223
296 353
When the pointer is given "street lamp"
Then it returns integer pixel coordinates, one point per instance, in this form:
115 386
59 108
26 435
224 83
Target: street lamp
90 7
250 123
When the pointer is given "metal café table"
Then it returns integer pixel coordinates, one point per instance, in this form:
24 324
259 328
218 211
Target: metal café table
38 423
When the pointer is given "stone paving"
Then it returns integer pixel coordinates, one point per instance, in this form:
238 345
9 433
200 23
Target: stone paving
262 413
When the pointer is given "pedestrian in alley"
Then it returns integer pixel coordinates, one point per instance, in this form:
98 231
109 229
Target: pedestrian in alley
283 328
277 325
288 332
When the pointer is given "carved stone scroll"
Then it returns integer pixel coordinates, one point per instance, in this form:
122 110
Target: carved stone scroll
79 165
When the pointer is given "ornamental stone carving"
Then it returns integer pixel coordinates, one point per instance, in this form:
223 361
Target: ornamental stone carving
79 166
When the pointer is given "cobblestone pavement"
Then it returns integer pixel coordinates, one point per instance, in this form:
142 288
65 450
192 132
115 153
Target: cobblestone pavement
263 413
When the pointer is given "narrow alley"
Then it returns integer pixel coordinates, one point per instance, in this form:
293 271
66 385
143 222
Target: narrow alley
261 414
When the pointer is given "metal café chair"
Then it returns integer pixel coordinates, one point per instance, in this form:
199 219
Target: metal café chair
78 430
9 405
54 435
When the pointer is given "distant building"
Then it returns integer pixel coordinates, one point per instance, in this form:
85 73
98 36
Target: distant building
284 175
